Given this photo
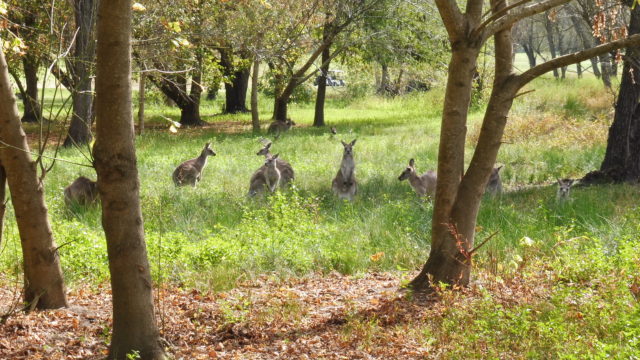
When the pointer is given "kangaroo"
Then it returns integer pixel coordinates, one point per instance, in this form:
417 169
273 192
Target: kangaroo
190 171
82 191
344 185
564 188
267 176
424 184
286 171
280 126
494 186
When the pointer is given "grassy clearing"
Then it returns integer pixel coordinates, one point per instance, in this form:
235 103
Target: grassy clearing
213 236
553 283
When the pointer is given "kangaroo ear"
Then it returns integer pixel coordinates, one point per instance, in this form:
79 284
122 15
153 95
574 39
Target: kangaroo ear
343 143
499 167
412 162
275 156
206 146
268 146
353 142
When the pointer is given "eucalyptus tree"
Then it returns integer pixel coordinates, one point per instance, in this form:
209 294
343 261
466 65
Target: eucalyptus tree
135 333
459 191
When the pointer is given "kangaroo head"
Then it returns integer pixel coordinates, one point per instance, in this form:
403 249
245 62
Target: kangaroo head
265 150
410 169
290 123
495 173
271 161
348 148
208 151
564 187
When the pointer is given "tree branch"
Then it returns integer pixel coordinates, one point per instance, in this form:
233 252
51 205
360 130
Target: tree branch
576 57
517 14
451 16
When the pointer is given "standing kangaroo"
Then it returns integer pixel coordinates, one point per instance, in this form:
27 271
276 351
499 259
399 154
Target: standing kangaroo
82 191
494 186
286 171
424 184
267 176
344 185
190 171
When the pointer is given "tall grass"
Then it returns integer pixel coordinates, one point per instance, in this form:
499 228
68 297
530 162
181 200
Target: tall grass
212 236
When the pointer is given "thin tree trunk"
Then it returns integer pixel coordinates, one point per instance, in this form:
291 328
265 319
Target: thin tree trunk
80 128
548 25
531 55
32 111
134 322
384 80
44 285
3 206
141 102
579 70
255 115
622 158
318 119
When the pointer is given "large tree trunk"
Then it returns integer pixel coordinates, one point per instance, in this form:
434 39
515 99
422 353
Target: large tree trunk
445 263
32 111
318 119
281 104
134 323
80 128
44 285
236 89
622 158
255 115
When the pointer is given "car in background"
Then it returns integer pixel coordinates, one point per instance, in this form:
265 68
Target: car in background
334 78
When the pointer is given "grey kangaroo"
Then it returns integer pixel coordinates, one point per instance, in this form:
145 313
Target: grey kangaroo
266 177
564 188
190 171
82 191
286 171
424 184
494 186
280 126
344 185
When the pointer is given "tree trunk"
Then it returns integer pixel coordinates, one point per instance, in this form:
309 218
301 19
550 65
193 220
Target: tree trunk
531 55
586 38
80 128
3 204
141 101
281 104
134 323
236 88
579 70
32 111
255 115
318 119
605 66
44 285
549 25
622 157
445 263
384 80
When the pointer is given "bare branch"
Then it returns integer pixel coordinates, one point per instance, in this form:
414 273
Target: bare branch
517 14
576 57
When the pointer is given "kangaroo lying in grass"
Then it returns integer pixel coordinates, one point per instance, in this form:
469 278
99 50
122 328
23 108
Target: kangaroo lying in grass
424 184
494 186
279 126
190 171
344 185
82 191
564 189
267 176
286 171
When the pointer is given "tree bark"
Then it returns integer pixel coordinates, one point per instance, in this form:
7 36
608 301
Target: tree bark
236 88
32 111
134 323
3 204
255 115
549 25
384 80
622 158
531 55
44 285
318 119
84 54
281 104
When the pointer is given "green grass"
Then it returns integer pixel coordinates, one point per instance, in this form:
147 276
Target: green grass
213 236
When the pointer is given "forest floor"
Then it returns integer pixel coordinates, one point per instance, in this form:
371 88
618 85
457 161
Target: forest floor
315 317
